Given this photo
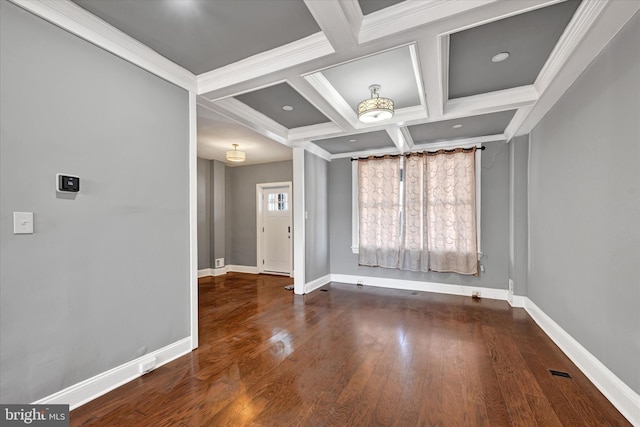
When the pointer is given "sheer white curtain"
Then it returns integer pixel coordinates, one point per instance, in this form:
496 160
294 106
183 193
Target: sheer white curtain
451 211
379 210
414 254
427 221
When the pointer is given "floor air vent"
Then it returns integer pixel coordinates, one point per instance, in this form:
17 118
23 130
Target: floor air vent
560 374
324 290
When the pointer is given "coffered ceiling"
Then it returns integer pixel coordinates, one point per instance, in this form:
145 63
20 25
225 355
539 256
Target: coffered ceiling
247 59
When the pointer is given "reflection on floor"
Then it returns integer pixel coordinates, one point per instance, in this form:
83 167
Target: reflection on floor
355 356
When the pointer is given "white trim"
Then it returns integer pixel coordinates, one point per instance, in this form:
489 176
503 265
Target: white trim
413 285
94 387
500 100
260 187
614 389
279 58
245 115
205 272
317 283
322 130
242 269
478 167
458 143
208 272
193 217
87 26
410 14
355 212
298 221
517 301
314 149
593 26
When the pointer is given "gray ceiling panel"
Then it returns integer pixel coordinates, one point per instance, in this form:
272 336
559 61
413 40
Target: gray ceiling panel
529 38
363 141
270 100
204 35
370 6
482 125
393 70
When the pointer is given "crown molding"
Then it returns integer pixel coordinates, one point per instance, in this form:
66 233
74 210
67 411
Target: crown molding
398 138
83 24
314 149
408 139
501 100
407 15
463 143
366 153
592 28
320 83
289 55
252 119
305 133
331 16
516 121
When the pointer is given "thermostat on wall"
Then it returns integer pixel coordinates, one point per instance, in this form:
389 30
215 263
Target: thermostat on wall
66 183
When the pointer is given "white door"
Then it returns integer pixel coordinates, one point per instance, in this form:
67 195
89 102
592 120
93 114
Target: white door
276 229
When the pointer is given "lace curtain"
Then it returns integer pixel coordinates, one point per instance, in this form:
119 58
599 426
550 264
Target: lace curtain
436 230
379 210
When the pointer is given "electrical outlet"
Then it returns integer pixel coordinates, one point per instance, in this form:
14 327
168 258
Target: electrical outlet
147 365
481 268
219 262
359 284
510 285
475 294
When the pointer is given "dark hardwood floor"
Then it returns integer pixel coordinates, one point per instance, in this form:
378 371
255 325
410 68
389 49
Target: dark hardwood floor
349 356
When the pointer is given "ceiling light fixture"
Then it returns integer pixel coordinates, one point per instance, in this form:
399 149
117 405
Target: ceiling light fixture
375 109
235 155
500 57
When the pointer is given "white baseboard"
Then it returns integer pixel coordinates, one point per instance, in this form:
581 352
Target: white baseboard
315 284
227 269
626 400
205 272
89 389
413 285
242 269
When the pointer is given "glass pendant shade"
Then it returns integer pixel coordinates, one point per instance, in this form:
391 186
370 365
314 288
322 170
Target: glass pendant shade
235 155
375 109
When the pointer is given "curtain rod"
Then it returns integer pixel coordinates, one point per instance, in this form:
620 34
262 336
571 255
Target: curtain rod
391 156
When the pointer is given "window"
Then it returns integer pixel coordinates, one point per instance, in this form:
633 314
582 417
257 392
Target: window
418 213
277 202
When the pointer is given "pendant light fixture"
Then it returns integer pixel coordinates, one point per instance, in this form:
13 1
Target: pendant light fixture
375 109
236 155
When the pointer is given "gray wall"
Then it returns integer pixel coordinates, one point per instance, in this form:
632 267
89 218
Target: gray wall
240 208
316 181
218 229
584 208
495 225
211 212
204 214
105 277
518 216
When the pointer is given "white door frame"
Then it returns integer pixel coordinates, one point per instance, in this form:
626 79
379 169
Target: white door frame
259 223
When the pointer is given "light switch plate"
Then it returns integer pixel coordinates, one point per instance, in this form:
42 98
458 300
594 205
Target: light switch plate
23 223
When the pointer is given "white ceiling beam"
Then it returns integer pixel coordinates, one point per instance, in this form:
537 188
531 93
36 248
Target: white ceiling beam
591 29
314 149
462 143
292 54
83 24
397 137
433 55
501 100
408 139
306 133
241 113
411 14
338 26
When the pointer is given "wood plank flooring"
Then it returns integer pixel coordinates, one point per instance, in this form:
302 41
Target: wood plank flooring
349 356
